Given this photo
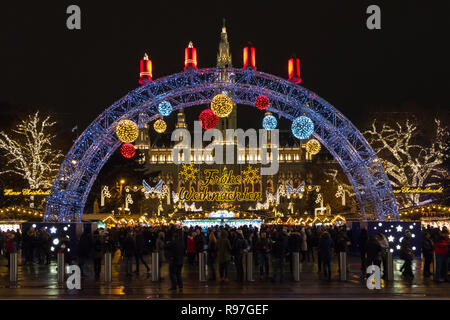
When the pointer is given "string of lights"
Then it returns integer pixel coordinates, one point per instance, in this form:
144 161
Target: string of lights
195 87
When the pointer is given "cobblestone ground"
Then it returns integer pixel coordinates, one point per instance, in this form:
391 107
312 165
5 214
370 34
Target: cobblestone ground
40 282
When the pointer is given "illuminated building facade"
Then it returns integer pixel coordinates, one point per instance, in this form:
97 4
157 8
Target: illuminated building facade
157 157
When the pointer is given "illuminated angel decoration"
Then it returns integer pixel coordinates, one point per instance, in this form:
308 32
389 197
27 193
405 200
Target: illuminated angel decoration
152 191
295 192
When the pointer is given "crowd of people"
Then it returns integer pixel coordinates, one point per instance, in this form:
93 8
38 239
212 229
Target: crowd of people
225 246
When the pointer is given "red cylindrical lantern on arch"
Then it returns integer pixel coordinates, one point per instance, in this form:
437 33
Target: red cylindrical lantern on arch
146 70
249 57
190 56
128 150
209 119
294 70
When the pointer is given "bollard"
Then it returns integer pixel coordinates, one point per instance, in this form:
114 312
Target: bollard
13 268
249 266
389 268
155 266
343 265
61 267
296 265
108 267
202 266
435 275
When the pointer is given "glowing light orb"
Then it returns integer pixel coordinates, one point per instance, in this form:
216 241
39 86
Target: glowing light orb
165 108
160 126
302 127
209 119
269 122
56 241
221 105
262 102
313 146
127 131
128 150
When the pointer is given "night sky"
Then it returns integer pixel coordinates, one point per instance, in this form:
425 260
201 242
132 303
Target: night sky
75 75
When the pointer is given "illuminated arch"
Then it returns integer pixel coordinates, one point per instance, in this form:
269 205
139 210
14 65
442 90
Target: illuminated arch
289 100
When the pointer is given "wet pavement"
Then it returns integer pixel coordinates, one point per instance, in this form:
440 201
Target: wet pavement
40 282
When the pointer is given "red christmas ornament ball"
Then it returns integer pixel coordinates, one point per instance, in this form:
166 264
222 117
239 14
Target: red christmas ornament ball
209 119
262 102
128 150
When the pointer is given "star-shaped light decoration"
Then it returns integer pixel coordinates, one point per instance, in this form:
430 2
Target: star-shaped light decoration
399 228
53 230
250 175
391 239
189 172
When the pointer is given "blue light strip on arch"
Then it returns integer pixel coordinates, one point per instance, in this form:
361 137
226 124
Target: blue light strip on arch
96 144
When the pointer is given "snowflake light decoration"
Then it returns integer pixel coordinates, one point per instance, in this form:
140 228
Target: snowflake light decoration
189 172
302 127
250 175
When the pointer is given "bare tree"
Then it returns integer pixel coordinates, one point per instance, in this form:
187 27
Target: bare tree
29 151
408 163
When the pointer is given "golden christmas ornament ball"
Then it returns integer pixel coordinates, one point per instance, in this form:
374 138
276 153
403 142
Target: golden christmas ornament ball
313 146
127 131
160 126
221 105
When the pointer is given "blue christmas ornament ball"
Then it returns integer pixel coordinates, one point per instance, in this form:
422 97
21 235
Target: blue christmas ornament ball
302 127
270 122
165 108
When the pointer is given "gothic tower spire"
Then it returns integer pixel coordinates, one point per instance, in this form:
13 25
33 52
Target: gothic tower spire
224 56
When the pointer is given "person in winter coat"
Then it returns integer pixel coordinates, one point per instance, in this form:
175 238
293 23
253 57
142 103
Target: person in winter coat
97 253
278 253
191 249
342 242
325 249
129 251
384 244
294 246
84 249
10 245
175 252
407 255
159 247
304 246
427 251
263 248
240 247
223 254
212 256
139 255
373 250
362 243
200 241
441 251
310 245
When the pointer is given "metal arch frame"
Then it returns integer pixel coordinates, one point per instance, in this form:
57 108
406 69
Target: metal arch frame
193 87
